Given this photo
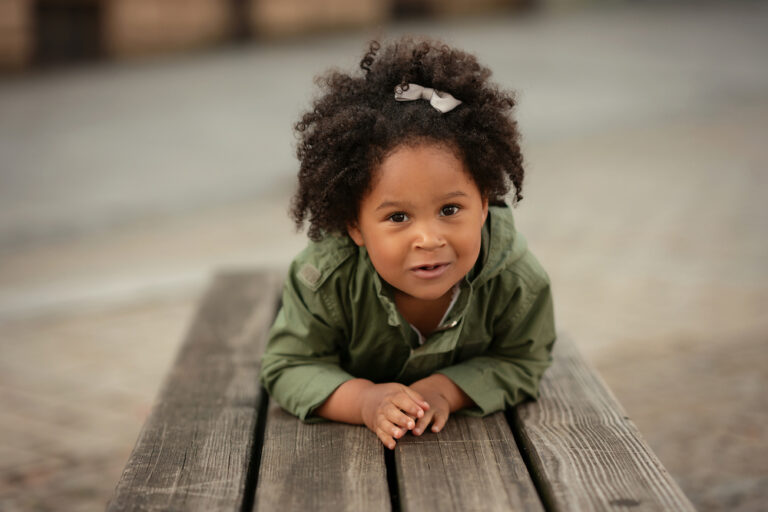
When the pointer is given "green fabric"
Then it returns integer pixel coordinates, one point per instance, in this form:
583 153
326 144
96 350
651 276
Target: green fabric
338 321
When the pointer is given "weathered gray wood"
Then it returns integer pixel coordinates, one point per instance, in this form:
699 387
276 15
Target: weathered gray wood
321 466
473 464
196 449
585 453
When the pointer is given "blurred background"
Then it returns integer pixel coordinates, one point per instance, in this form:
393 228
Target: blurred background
144 144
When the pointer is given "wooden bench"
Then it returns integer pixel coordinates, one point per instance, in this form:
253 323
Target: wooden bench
214 441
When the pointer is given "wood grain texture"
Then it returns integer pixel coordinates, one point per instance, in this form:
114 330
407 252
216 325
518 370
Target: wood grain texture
196 449
473 464
584 451
320 466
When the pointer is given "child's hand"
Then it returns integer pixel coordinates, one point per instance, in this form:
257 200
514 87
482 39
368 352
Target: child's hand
390 410
444 397
439 410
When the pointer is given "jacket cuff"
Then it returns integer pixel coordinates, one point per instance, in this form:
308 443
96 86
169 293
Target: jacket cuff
474 382
303 389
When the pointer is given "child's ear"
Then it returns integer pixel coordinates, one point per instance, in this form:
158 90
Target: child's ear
355 234
485 209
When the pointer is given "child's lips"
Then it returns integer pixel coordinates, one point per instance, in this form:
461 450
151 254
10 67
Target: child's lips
430 270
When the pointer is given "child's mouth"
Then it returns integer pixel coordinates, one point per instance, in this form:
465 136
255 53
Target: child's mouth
430 271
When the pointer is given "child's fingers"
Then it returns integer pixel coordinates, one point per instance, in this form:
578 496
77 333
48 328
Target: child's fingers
386 439
398 418
423 423
441 418
416 396
389 428
406 403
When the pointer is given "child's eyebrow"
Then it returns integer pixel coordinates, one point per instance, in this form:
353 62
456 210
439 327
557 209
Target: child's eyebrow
406 204
451 195
392 204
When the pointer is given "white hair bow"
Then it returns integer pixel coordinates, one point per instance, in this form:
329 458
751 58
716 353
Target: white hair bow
442 101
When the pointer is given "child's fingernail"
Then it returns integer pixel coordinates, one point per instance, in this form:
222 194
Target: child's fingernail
435 429
417 432
411 425
420 413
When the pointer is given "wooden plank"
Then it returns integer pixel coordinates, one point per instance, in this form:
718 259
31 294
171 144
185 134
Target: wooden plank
473 464
320 466
584 451
196 450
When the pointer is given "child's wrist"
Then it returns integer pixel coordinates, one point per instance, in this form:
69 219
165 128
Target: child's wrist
441 384
360 390
346 403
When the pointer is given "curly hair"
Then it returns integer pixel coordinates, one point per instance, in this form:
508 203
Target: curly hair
356 123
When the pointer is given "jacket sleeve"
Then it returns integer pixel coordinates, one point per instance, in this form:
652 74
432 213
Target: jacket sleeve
510 370
300 366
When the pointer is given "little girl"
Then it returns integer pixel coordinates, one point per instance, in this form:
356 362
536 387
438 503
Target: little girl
415 297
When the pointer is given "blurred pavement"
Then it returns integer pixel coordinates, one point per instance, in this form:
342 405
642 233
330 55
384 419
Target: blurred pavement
124 186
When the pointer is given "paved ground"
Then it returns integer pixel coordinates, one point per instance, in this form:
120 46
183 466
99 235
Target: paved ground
124 187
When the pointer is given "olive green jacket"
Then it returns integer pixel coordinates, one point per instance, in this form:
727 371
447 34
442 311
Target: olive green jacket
338 321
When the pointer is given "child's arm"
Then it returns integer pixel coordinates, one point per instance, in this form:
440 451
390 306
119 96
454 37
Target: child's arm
444 397
510 369
386 409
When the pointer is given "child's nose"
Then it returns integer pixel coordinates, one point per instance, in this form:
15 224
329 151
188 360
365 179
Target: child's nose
429 237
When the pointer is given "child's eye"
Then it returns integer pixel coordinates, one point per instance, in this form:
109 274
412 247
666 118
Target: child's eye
448 210
398 217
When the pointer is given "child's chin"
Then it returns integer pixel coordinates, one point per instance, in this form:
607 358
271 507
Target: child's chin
432 294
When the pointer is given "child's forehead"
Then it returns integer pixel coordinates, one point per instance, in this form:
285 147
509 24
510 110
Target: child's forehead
424 170
406 159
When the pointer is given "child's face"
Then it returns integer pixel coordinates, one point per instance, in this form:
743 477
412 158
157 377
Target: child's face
422 220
